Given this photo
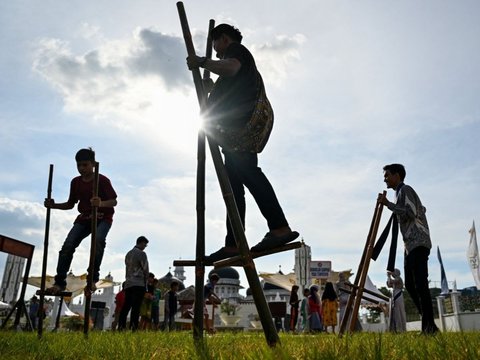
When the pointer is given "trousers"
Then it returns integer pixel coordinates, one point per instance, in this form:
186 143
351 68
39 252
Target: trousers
79 232
242 169
416 283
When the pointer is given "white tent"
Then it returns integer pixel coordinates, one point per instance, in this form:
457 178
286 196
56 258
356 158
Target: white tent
4 305
75 284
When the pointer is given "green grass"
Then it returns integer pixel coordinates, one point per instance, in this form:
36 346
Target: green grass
180 345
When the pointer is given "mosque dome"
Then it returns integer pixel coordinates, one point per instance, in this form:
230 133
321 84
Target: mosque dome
165 281
226 273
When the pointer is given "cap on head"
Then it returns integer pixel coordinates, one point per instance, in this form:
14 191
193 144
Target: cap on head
142 239
229 30
85 155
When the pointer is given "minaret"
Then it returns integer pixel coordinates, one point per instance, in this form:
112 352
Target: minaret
303 258
179 273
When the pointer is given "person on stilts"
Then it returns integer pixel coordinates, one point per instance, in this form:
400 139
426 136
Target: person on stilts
236 98
81 190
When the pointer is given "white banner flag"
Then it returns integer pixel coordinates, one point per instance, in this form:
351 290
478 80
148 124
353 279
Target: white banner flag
472 256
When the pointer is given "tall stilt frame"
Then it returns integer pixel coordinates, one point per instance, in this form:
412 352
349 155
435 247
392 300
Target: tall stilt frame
245 257
357 289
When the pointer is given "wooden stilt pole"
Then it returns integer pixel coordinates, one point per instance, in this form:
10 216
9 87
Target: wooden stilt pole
41 310
200 246
235 221
351 310
93 246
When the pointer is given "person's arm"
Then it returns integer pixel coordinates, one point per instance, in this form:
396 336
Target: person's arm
50 203
144 266
404 207
68 205
108 193
224 67
96 201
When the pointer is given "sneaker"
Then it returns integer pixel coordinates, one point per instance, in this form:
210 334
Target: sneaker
54 290
224 253
271 241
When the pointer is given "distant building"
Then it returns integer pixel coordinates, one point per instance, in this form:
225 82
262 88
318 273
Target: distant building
228 285
12 277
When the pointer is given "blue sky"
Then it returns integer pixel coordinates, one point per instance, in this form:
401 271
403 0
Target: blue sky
354 85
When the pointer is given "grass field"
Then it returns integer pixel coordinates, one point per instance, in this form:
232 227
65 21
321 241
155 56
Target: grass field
180 345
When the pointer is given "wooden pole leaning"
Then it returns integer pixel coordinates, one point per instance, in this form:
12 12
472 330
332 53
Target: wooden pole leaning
200 246
93 247
41 305
200 240
235 221
353 305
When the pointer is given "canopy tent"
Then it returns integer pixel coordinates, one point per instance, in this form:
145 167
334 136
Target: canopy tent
279 279
75 284
4 305
286 281
65 311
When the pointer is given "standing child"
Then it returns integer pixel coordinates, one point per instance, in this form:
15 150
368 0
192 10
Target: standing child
294 304
314 310
398 318
157 294
81 191
304 309
329 307
146 307
209 294
119 301
171 306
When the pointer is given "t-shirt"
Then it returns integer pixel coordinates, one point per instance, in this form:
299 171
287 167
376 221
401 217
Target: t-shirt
136 268
233 98
82 191
119 301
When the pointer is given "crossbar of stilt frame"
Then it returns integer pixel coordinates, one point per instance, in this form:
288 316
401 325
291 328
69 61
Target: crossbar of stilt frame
358 288
235 221
237 260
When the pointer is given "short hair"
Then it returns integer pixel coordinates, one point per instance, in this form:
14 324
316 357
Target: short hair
214 277
173 283
151 275
142 239
396 169
229 30
85 155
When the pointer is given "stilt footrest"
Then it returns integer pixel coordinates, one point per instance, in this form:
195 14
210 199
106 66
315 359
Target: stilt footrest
238 261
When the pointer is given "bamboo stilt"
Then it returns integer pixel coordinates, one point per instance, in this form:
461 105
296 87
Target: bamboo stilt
239 234
41 305
93 246
351 310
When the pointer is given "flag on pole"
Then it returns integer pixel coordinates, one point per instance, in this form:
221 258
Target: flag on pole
472 256
444 283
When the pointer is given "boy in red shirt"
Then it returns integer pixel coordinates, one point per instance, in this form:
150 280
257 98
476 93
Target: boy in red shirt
81 190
